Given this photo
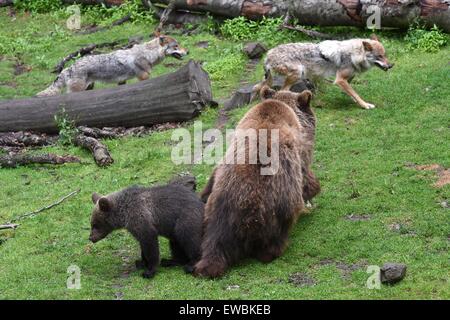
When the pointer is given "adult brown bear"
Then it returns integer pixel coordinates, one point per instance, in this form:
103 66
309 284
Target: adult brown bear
249 214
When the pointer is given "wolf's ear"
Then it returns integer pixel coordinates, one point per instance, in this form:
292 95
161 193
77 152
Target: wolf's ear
95 197
304 98
367 46
162 40
104 204
374 37
266 92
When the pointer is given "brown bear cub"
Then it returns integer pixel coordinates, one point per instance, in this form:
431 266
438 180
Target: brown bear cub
172 211
248 214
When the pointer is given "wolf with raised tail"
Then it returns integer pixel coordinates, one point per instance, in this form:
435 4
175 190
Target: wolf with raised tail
115 67
341 59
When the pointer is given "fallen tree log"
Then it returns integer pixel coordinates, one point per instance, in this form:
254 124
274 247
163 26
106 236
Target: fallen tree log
394 13
174 97
25 139
19 159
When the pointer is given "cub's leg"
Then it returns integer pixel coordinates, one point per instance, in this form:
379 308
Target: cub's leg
272 251
179 257
149 252
311 185
76 85
90 86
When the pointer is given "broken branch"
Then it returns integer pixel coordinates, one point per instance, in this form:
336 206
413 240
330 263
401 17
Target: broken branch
8 226
99 151
33 213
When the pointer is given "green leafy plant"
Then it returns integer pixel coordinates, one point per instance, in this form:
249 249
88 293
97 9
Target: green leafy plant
428 40
38 5
66 126
230 63
103 15
266 30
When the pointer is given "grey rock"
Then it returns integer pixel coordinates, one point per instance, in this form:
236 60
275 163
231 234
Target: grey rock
392 272
254 50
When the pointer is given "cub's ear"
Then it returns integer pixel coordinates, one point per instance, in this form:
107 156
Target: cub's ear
374 37
367 46
104 204
95 197
266 92
304 98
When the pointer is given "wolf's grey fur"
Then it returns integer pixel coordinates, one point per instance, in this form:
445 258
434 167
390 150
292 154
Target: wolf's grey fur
342 59
172 211
116 67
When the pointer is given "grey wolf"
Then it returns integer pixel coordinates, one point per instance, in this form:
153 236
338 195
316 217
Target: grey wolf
172 211
248 214
115 67
342 59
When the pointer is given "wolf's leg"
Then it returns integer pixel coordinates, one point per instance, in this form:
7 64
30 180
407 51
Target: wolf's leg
342 81
143 76
76 85
295 73
90 86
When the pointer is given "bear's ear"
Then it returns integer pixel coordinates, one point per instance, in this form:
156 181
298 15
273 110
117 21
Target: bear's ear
95 197
374 37
304 98
104 204
367 46
266 92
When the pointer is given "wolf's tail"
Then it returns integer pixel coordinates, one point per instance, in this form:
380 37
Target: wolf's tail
55 87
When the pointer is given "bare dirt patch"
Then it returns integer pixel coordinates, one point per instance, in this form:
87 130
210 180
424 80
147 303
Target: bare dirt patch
300 279
443 174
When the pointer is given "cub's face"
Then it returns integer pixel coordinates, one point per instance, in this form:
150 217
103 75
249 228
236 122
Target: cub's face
100 225
294 100
172 48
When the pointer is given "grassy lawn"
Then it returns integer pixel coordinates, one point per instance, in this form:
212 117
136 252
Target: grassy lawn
362 158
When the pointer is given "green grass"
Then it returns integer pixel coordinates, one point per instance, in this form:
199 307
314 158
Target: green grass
360 159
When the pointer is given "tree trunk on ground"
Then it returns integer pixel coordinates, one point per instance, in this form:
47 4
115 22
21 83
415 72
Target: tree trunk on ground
21 159
394 13
174 97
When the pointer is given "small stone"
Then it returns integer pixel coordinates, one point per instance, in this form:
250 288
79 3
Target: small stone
395 227
254 50
445 204
358 217
202 44
392 272
233 287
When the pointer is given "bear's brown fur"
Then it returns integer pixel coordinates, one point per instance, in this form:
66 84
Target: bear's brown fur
172 211
248 214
